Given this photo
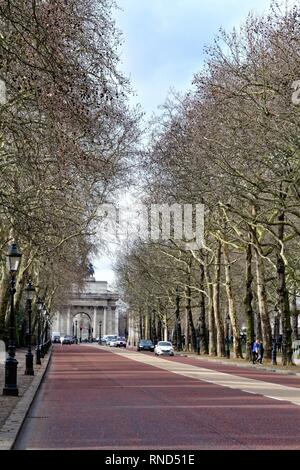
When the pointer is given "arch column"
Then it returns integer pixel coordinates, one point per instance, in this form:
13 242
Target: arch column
69 321
95 323
111 321
104 320
117 321
59 322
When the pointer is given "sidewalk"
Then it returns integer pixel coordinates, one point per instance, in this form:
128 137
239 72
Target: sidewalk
14 409
289 370
266 365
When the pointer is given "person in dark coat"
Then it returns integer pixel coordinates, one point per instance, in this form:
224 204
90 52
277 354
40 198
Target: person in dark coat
261 351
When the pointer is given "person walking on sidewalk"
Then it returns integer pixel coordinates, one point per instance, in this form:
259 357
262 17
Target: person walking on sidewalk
261 351
255 351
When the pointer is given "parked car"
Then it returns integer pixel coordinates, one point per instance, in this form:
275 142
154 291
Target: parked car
112 342
121 343
145 345
164 348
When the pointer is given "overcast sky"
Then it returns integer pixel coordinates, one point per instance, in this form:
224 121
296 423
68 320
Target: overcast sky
163 42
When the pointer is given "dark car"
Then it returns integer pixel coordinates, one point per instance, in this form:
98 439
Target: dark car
145 345
56 339
67 339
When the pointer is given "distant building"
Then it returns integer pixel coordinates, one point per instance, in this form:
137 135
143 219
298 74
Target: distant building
87 311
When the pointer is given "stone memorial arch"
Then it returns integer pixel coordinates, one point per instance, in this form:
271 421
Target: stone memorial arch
85 309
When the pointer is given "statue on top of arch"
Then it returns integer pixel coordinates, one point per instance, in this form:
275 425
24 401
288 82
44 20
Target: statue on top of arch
90 269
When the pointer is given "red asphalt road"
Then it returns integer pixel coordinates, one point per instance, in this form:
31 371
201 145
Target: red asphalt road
92 398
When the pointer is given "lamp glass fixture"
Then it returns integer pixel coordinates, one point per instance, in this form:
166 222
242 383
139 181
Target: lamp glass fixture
30 290
13 258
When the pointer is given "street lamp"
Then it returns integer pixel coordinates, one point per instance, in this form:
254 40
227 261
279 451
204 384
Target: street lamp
43 327
227 337
38 346
275 338
47 319
178 322
30 290
76 331
80 336
11 363
100 333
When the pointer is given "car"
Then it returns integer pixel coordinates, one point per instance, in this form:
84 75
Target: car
67 339
55 339
108 338
164 348
121 343
55 336
112 342
145 345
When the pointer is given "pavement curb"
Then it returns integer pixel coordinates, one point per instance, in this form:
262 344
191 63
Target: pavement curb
10 429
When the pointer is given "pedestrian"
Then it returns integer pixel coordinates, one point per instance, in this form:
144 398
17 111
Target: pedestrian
255 351
261 351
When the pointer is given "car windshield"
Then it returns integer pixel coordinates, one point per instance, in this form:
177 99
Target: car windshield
146 341
164 343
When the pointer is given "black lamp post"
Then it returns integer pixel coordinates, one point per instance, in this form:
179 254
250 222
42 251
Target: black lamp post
76 331
42 348
80 336
178 322
38 346
227 337
100 332
47 329
275 338
11 363
30 290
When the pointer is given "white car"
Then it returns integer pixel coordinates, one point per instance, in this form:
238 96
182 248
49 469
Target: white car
164 348
108 338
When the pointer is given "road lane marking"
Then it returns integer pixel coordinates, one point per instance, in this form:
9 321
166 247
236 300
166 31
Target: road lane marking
258 387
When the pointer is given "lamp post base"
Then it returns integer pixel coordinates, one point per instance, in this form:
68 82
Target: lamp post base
10 392
38 356
10 387
29 364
